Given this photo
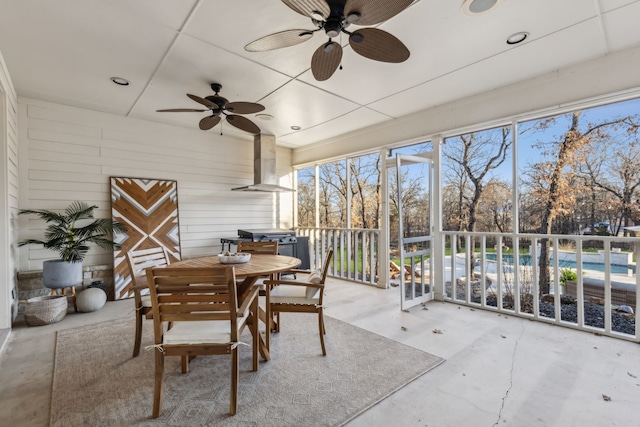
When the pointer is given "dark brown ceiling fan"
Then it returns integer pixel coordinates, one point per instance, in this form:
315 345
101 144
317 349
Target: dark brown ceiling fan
219 106
334 16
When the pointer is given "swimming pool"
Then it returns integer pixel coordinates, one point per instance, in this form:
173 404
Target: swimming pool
593 266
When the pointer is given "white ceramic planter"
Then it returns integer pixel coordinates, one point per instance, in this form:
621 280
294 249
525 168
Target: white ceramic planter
58 274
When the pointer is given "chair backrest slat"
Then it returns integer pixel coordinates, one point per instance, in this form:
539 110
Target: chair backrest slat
192 294
140 260
270 248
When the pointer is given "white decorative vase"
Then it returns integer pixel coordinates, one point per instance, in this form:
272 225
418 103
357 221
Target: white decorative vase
58 274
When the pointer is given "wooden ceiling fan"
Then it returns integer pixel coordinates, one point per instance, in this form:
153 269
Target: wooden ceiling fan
334 17
220 108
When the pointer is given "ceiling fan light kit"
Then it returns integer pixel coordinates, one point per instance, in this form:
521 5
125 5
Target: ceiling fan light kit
220 108
334 17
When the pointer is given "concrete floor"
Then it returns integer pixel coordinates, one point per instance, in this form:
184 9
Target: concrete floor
499 370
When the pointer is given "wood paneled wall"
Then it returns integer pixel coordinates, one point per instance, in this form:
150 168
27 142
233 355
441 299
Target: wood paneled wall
69 154
9 199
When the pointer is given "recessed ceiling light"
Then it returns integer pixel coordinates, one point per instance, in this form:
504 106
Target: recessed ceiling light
517 37
120 81
265 117
295 128
478 7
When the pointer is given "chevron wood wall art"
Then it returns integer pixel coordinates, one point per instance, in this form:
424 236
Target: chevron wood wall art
149 208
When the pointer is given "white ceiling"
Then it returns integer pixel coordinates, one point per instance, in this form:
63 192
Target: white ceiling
65 51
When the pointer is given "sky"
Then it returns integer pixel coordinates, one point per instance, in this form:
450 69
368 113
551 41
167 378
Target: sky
527 154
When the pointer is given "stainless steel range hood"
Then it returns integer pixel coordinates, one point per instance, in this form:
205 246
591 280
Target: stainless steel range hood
264 166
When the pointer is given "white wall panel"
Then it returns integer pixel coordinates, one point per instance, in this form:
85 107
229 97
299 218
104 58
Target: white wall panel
8 199
71 153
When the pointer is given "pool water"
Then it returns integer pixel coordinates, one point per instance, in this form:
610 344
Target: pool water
593 266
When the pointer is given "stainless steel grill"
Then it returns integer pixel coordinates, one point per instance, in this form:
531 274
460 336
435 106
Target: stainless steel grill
286 239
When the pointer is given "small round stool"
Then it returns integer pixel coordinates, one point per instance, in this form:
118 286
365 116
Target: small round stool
91 299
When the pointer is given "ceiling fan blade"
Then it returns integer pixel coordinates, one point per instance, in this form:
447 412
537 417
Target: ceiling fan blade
325 60
203 101
178 110
243 123
309 7
378 45
209 122
244 107
375 11
279 40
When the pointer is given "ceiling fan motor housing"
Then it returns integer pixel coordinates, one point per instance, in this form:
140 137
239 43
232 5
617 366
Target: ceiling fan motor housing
218 100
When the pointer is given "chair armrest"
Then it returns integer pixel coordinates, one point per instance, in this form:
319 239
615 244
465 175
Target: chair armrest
294 283
139 288
296 271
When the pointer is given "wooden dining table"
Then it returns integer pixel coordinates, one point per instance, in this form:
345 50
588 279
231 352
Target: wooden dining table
250 271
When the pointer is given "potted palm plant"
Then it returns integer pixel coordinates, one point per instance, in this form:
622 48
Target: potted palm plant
70 234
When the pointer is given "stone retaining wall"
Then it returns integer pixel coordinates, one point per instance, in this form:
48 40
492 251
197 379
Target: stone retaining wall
30 282
621 293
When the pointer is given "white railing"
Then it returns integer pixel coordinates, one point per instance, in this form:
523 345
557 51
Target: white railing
354 252
495 283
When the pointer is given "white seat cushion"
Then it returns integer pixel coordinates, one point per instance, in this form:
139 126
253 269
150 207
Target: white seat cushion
146 301
290 294
315 277
199 332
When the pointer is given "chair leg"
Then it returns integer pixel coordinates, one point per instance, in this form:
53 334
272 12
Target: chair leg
321 331
255 325
185 364
324 330
268 321
138 338
235 374
157 391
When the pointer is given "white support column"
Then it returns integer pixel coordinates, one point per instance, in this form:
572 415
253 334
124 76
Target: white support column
437 248
383 243
294 201
6 281
316 190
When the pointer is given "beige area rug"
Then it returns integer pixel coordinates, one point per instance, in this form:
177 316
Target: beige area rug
96 382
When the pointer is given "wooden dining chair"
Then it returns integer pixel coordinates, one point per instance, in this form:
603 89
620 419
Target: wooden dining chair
268 248
295 296
140 260
207 319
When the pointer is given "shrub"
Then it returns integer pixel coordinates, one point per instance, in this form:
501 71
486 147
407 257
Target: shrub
567 274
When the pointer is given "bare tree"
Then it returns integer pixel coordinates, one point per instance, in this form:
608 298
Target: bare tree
333 194
557 174
365 182
411 193
617 172
495 207
478 154
306 197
